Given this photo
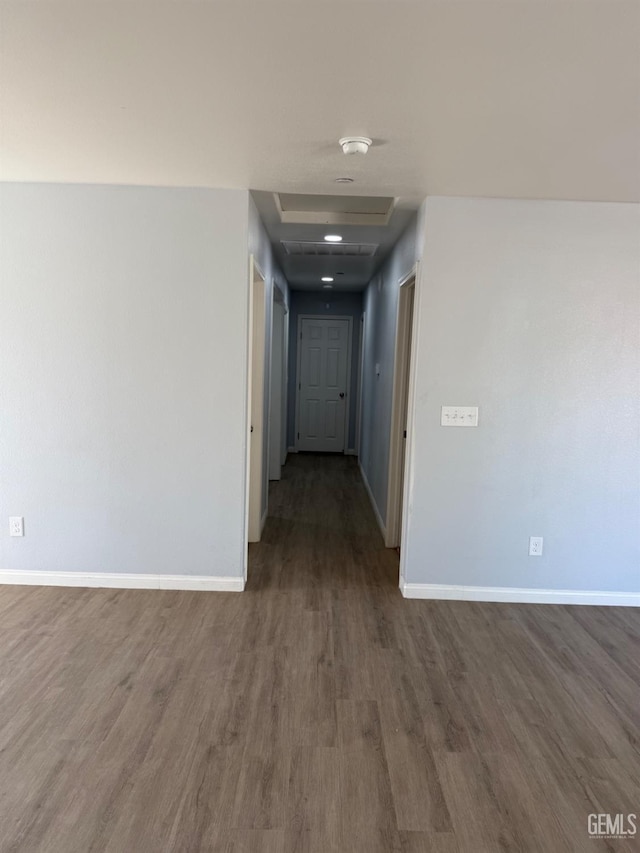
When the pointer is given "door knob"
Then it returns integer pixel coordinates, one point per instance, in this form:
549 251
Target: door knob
342 395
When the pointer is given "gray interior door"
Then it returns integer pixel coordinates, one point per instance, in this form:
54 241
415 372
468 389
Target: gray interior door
322 393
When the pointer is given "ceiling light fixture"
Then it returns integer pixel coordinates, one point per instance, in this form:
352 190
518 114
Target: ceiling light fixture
354 144
333 238
344 180
326 278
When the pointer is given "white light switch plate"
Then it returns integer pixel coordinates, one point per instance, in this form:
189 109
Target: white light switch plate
464 416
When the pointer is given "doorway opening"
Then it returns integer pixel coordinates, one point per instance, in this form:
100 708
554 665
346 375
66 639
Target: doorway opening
257 485
278 387
345 436
400 413
361 351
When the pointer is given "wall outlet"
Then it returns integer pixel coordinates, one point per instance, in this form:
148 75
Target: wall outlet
16 526
535 546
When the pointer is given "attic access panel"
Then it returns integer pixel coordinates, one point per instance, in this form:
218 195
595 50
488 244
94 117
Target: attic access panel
295 208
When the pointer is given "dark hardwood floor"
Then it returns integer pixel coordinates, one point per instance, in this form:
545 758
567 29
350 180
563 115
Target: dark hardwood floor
318 711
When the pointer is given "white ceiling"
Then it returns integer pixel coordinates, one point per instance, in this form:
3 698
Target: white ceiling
514 98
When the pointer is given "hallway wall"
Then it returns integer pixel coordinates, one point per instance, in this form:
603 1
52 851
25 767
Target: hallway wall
260 248
380 318
310 302
123 353
530 310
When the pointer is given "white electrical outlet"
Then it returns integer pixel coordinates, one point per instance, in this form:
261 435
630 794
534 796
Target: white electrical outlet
535 546
16 526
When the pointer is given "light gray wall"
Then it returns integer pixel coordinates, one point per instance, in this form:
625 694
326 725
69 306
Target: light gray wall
260 248
123 318
380 319
337 304
530 310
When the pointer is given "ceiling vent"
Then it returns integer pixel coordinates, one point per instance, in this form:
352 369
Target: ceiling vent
343 250
299 209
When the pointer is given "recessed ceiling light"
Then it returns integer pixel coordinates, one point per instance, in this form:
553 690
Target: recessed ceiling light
326 278
327 286
333 238
344 180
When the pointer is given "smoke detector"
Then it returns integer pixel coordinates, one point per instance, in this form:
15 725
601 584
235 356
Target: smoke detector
354 144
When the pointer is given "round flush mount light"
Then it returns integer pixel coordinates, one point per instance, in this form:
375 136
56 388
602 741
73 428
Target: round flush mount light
354 144
344 180
333 238
326 278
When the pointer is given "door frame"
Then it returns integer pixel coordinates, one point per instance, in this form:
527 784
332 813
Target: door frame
256 381
284 447
403 387
347 392
277 373
363 328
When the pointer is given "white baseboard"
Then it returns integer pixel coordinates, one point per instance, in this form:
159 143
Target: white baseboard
519 595
374 506
123 581
292 450
351 452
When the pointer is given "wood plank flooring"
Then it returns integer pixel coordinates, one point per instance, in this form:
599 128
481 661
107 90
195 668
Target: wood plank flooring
318 711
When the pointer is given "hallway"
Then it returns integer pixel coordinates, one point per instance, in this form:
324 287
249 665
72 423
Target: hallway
321 533
318 711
